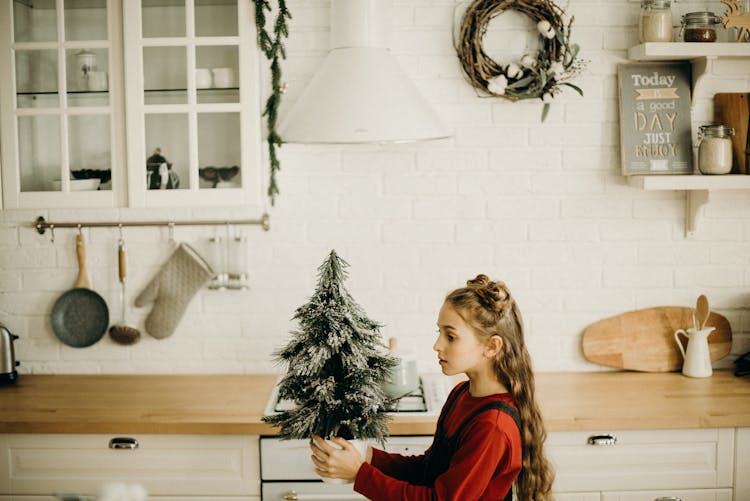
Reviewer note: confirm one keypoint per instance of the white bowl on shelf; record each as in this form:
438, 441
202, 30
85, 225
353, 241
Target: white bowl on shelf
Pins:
77, 184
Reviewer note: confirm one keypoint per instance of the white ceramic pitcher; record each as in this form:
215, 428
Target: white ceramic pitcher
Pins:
697, 358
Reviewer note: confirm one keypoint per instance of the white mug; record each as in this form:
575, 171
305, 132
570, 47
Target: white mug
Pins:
97, 80
203, 78
223, 77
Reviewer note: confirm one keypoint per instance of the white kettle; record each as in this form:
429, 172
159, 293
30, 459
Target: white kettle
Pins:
697, 357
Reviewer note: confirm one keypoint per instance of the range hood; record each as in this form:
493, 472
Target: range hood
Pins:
360, 94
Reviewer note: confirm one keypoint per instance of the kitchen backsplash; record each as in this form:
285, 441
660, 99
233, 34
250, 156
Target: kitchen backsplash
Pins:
541, 206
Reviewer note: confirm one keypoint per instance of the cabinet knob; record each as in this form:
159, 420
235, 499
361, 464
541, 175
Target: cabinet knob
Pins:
123, 443
668, 498
291, 496
602, 440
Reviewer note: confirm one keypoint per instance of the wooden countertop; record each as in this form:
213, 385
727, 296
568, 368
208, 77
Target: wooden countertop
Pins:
233, 404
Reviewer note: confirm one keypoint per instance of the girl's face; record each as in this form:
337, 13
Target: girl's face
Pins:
458, 348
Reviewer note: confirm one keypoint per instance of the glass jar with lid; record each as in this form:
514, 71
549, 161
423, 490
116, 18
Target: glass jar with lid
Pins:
699, 26
655, 21
715, 149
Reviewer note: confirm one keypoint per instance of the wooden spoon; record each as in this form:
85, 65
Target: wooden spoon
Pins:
701, 311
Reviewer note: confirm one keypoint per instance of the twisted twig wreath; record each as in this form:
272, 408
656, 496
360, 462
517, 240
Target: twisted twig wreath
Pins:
533, 76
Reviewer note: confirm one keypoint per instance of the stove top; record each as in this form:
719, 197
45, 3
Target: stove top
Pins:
425, 401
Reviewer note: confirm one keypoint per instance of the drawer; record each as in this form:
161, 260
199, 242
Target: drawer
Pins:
281, 491
164, 464
577, 496
652, 459
682, 495
150, 498
4, 472
294, 455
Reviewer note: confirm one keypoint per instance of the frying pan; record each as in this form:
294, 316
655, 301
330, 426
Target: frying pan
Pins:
80, 316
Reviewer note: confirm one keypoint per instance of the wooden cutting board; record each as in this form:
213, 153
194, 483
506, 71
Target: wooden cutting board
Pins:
733, 109
643, 340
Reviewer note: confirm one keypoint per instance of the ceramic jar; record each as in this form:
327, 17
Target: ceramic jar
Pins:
403, 379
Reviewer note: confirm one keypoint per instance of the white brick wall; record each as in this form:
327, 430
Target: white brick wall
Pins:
541, 206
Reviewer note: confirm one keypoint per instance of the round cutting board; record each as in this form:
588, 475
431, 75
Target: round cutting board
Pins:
643, 340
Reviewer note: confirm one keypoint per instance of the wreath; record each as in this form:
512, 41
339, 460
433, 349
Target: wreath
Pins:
538, 75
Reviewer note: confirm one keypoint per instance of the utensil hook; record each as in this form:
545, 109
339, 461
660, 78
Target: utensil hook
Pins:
52, 233
121, 241
80, 232
171, 234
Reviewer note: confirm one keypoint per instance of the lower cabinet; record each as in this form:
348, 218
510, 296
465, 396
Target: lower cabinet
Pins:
170, 467
671, 495
644, 465
742, 465
628, 465
151, 498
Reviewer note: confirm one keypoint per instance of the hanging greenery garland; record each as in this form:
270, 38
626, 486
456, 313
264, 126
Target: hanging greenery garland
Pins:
532, 76
273, 47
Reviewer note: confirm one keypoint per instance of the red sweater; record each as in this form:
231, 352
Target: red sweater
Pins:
484, 465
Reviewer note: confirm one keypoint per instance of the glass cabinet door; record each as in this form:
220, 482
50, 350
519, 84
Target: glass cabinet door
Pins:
193, 96
59, 110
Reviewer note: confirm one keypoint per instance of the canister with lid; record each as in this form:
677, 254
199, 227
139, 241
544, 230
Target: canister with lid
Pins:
655, 21
699, 26
715, 149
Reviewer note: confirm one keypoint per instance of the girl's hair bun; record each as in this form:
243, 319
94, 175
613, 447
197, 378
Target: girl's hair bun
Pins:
493, 295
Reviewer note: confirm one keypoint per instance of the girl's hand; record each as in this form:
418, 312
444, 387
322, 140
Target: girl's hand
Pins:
335, 462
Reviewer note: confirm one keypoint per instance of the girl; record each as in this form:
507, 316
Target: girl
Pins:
490, 432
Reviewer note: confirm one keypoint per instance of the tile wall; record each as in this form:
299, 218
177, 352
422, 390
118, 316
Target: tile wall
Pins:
541, 206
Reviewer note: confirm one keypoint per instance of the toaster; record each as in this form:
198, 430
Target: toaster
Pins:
8, 362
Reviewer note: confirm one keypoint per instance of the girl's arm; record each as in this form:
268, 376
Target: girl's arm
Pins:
408, 468
472, 467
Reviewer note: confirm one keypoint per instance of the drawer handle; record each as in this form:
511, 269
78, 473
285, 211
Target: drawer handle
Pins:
668, 498
602, 440
123, 443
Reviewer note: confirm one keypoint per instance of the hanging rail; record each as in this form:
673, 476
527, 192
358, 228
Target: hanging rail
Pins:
42, 225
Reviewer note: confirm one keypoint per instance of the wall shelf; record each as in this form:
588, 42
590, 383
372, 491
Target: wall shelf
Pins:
666, 51
697, 189
700, 54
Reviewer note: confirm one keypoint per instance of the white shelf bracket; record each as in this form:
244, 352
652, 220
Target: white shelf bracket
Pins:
702, 68
694, 201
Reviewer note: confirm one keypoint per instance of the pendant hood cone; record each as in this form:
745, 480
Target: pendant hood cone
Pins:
360, 94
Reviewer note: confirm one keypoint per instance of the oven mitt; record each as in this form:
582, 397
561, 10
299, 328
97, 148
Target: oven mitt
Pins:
172, 289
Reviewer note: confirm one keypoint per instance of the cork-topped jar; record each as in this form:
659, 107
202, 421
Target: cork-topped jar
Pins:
715, 150
699, 26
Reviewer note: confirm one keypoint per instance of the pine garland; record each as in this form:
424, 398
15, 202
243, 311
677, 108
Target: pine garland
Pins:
273, 48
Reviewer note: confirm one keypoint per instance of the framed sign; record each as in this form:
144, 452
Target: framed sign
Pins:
655, 133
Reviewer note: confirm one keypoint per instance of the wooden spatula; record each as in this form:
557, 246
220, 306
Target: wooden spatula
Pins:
701, 311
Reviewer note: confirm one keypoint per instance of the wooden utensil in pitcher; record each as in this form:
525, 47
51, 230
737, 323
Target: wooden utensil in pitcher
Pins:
701, 311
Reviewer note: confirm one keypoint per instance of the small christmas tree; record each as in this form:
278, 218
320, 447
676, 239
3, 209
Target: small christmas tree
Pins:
336, 365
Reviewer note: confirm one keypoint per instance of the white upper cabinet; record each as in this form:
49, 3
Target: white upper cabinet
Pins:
192, 102
137, 103
61, 104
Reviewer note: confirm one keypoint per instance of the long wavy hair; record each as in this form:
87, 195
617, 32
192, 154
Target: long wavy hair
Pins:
488, 307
